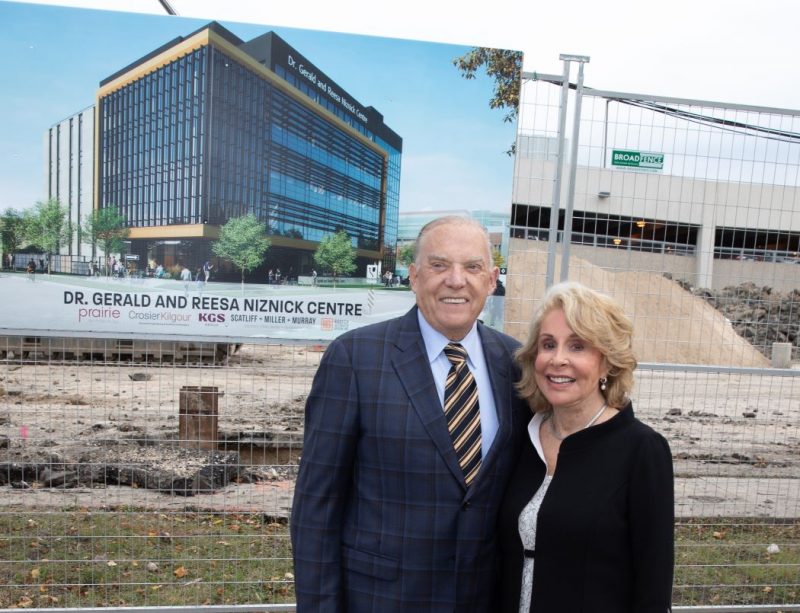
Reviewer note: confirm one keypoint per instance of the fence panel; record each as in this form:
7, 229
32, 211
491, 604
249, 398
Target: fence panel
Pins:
160, 474
688, 212
154, 474
116, 492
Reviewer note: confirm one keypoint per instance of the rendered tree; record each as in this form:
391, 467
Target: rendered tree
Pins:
12, 231
336, 253
107, 227
47, 227
243, 242
405, 255
505, 67
497, 258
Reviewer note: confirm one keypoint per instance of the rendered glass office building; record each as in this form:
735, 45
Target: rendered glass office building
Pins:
209, 127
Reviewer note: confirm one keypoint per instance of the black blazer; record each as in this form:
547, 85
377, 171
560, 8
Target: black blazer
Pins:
604, 539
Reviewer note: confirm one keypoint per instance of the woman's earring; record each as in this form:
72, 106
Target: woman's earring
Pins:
603, 382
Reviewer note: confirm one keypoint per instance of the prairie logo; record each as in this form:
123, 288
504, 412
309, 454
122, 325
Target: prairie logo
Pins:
98, 314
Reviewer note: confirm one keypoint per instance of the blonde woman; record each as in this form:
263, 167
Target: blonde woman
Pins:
587, 521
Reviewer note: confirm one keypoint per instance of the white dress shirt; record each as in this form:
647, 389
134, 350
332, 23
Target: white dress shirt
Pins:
435, 343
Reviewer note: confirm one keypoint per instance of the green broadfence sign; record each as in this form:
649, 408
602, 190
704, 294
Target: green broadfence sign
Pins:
637, 159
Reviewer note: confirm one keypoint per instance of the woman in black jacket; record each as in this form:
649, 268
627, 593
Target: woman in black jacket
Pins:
587, 521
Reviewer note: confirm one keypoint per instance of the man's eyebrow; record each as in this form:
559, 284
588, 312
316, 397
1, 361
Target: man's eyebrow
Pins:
443, 258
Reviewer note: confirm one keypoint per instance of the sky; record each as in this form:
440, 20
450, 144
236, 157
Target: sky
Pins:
732, 51
723, 50
453, 143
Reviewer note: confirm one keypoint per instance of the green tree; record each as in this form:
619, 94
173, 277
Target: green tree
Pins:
497, 258
336, 253
47, 226
12, 230
505, 67
243, 242
107, 227
405, 255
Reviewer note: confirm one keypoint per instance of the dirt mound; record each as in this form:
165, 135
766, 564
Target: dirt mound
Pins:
671, 325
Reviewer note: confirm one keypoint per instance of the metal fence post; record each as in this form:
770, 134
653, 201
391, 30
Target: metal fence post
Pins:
566, 239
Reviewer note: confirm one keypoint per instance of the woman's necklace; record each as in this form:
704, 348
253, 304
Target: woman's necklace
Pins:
591, 422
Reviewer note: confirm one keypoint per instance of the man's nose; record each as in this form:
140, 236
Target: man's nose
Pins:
456, 276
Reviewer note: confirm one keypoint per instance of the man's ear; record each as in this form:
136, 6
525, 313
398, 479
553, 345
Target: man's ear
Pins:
412, 276
495, 275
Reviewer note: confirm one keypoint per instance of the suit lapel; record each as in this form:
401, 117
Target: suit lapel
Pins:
497, 364
410, 361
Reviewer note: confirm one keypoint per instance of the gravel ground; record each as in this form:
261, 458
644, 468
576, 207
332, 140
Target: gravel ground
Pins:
735, 437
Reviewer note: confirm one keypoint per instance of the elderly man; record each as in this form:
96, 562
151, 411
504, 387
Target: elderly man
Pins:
411, 427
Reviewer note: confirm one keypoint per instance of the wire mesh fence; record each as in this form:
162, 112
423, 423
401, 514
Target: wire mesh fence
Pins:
163, 479
687, 212
154, 474
168, 482
734, 438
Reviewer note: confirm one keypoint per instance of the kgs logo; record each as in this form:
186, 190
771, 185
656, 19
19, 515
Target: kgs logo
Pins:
214, 318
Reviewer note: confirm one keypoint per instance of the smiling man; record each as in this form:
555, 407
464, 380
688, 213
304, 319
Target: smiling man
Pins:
411, 428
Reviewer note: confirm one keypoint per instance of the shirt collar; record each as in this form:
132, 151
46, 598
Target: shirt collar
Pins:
534, 426
435, 341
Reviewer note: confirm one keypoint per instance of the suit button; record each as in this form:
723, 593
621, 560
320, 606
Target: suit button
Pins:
466, 505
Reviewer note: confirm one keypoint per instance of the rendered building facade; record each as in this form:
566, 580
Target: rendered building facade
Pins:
69, 173
209, 127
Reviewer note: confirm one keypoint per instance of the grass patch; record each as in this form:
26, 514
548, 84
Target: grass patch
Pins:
128, 557
131, 557
726, 562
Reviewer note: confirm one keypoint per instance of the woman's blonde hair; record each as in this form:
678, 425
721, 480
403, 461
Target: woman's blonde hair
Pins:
597, 319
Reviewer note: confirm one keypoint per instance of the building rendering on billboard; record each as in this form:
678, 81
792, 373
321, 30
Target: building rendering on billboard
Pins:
209, 127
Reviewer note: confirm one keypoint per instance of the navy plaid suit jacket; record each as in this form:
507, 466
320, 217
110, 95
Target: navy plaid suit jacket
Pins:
382, 519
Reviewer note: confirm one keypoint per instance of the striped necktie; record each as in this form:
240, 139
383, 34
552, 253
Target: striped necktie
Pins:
462, 412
